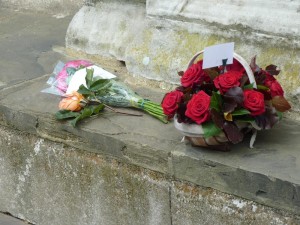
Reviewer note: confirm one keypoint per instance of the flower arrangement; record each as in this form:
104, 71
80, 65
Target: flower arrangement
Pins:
94, 94
217, 106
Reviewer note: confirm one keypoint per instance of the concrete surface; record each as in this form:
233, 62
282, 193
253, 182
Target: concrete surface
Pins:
27, 43
60, 8
254, 14
9, 220
52, 173
51, 183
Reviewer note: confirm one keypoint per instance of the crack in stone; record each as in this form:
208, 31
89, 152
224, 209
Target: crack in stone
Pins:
183, 5
11, 215
170, 204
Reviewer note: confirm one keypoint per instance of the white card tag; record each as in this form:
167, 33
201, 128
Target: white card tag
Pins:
214, 55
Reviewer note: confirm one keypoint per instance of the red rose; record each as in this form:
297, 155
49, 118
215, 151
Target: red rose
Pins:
170, 102
198, 107
269, 77
254, 102
275, 87
194, 75
228, 80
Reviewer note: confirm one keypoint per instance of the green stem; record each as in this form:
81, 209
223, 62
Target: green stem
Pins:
112, 109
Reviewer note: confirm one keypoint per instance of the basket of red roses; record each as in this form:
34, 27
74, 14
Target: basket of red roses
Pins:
218, 106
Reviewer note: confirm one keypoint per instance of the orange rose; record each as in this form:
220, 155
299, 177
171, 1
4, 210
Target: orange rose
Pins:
71, 102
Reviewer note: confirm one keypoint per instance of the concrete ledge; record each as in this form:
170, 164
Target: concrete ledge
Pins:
268, 174
51, 183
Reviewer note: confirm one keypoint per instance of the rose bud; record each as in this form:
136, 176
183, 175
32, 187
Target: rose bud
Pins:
198, 107
254, 102
170, 102
71, 102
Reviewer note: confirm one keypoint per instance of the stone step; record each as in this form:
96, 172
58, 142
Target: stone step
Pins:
9, 220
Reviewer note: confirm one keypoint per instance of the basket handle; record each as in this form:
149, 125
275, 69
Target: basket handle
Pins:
239, 58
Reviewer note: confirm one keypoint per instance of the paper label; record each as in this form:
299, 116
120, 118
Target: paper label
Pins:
214, 55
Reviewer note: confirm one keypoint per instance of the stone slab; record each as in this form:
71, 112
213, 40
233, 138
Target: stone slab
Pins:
254, 14
27, 40
9, 220
50, 183
268, 174
196, 205
59, 7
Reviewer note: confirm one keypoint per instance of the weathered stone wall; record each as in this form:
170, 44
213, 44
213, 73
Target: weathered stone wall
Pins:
50, 183
156, 39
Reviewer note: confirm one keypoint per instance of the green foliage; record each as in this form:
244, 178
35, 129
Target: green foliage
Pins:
99, 84
97, 88
280, 115
240, 112
83, 90
216, 101
87, 112
249, 86
65, 114
89, 77
210, 129
262, 87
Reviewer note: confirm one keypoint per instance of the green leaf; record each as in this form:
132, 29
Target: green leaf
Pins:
280, 115
83, 90
65, 114
96, 109
249, 86
89, 77
215, 101
240, 112
99, 84
74, 121
87, 112
210, 129
262, 87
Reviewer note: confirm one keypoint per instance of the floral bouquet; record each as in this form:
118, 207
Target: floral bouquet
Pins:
86, 94
217, 106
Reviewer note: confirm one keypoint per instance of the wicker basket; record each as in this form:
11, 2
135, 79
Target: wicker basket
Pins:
194, 133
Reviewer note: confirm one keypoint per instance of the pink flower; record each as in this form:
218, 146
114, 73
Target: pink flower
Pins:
61, 78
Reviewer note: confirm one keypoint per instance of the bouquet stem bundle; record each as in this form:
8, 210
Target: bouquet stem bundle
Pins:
100, 93
153, 109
